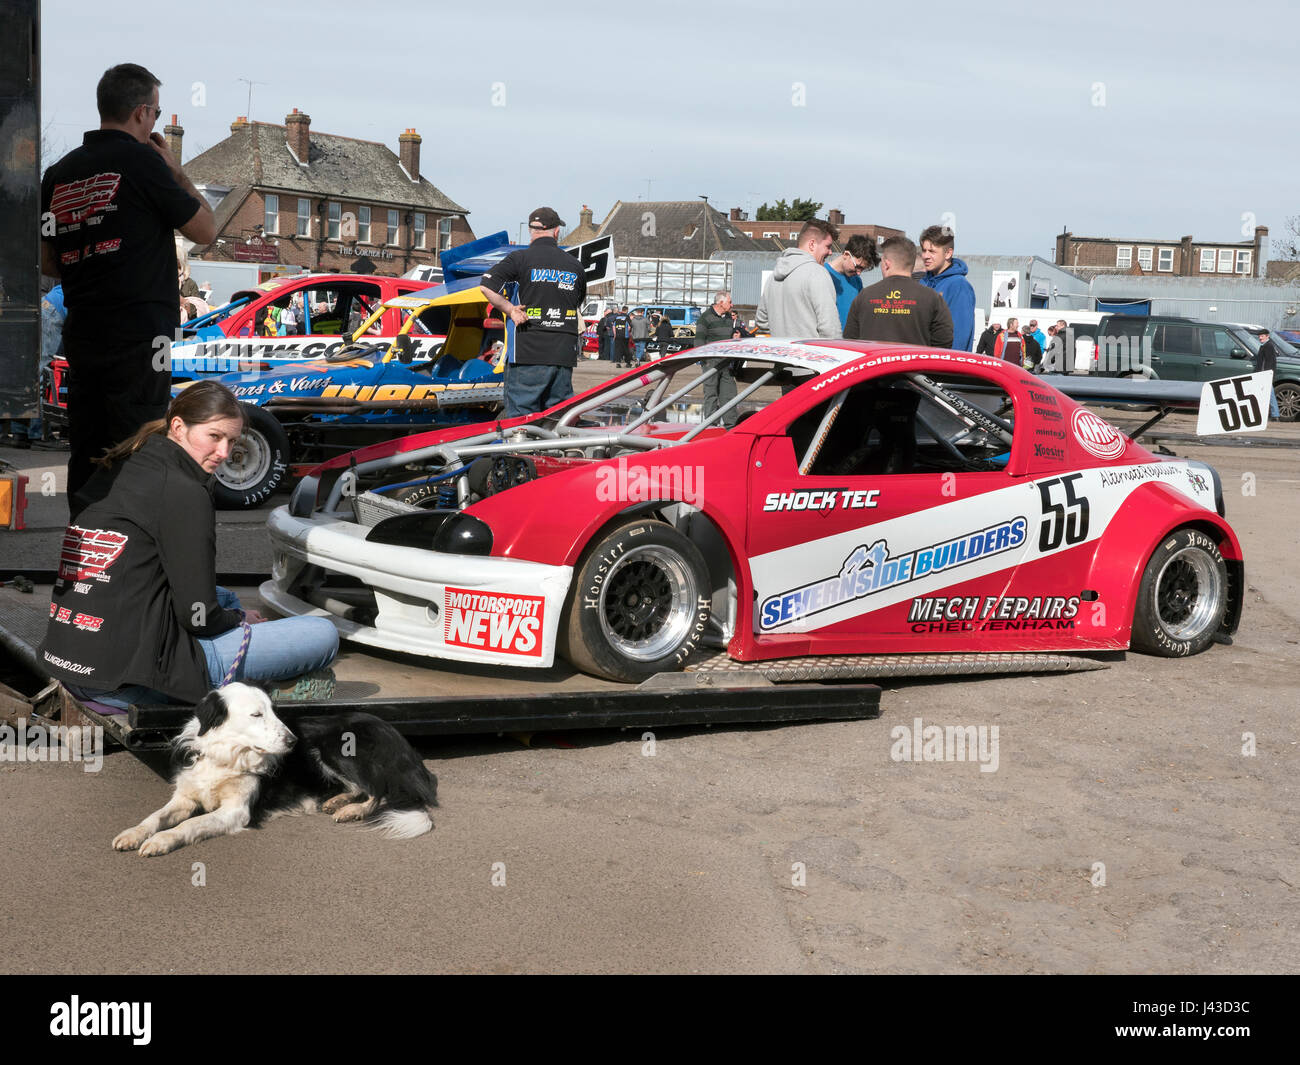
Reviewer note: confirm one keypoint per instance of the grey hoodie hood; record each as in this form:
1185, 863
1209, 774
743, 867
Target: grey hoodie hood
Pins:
798, 300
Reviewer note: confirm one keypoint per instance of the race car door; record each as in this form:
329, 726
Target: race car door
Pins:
879, 502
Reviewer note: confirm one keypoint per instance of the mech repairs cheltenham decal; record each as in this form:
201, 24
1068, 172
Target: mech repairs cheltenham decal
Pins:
968, 613
486, 621
871, 569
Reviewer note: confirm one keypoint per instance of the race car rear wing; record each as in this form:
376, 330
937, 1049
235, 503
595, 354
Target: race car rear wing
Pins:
1237, 404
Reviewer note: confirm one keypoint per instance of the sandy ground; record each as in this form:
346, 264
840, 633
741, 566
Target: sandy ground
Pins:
687, 859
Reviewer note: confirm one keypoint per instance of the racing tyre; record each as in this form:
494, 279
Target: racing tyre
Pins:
639, 603
258, 465
1182, 597
1288, 402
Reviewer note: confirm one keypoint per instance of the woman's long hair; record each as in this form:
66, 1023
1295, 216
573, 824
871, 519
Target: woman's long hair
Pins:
203, 401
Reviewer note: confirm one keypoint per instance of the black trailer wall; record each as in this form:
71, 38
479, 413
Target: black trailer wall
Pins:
20, 251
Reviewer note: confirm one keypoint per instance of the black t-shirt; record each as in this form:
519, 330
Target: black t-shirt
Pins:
551, 289
902, 311
115, 208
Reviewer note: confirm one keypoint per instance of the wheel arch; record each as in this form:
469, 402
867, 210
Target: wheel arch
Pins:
1150, 514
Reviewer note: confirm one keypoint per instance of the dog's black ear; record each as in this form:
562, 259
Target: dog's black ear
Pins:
211, 712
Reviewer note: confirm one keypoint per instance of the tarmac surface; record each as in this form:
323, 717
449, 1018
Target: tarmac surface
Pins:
1128, 827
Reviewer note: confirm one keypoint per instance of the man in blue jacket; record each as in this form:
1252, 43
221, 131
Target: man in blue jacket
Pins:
947, 276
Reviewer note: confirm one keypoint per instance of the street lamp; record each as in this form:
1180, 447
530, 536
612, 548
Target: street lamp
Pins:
706, 227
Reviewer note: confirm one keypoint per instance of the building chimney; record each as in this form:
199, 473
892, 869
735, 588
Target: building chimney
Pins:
835, 217
173, 133
297, 131
584, 217
1261, 252
408, 151
239, 124
736, 215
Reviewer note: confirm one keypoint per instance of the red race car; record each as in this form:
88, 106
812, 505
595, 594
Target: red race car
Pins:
869, 498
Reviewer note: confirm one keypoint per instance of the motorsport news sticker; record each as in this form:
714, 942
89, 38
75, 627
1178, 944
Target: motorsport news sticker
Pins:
88, 553
1096, 435
493, 621
1235, 404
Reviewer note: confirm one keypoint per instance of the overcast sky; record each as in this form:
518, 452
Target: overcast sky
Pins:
1010, 122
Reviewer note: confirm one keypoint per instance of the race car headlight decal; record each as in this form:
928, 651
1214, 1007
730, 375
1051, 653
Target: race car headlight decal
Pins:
447, 531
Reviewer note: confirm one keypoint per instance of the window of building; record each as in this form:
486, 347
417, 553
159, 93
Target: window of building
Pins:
1124, 257
771, 234
417, 224
1166, 260
1144, 258
336, 216
394, 228
272, 223
363, 224
304, 218
1207, 260
1225, 260
444, 234
794, 236
1243, 262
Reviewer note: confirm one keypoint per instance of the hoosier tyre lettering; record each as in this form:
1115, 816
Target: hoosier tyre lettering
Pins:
1182, 597
258, 465
638, 605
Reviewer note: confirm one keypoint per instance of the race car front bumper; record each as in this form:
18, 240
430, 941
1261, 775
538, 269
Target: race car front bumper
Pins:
467, 608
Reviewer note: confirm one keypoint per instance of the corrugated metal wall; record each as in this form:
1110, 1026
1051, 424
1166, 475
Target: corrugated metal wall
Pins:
1255, 301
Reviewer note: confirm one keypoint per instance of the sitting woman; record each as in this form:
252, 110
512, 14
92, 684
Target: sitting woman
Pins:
136, 614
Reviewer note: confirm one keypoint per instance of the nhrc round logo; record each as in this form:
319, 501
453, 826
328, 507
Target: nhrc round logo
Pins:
1098, 437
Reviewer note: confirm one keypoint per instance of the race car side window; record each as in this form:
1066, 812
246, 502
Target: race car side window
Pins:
907, 423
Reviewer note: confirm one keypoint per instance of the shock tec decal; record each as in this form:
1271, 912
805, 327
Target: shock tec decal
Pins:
493, 621
796, 593
822, 499
88, 553
870, 570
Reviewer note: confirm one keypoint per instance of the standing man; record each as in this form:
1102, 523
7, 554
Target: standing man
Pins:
1267, 360
987, 338
1033, 331
109, 212
640, 334
605, 334
713, 325
859, 256
1010, 345
947, 276
799, 298
619, 326
551, 288
898, 308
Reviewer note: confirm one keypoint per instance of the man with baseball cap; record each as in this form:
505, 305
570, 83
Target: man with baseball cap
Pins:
550, 288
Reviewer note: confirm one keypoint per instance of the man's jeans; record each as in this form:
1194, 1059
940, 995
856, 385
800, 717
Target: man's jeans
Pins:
720, 390
640, 350
530, 389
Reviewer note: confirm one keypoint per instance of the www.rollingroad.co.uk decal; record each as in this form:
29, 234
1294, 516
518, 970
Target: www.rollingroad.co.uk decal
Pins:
868, 570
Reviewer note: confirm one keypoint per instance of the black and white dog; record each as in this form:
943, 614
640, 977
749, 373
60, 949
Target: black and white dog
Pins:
237, 763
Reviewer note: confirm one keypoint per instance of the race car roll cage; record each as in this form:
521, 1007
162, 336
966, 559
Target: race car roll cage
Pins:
455, 457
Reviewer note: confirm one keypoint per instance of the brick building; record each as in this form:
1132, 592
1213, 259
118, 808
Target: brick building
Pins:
1186, 257
293, 196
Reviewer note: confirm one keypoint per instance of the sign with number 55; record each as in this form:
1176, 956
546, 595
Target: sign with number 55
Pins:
1235, 404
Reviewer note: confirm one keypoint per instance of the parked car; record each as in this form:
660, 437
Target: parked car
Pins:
870, 498
1182, 349
373, 389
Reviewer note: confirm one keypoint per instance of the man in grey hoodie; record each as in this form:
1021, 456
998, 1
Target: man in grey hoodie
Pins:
799, 298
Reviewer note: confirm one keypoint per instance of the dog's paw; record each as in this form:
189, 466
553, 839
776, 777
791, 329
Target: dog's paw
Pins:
162, 843
358, 811
334, 805
130, 839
